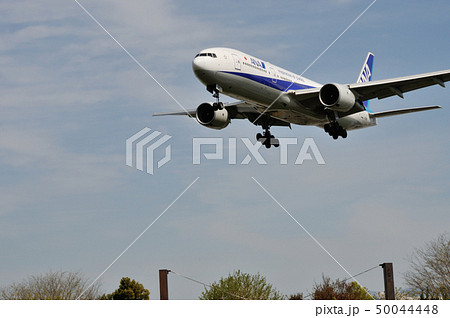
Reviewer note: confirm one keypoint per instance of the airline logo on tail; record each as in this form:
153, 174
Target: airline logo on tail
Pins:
366, 71
366, 75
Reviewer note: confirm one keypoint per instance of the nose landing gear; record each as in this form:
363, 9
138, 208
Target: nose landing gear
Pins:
215, 90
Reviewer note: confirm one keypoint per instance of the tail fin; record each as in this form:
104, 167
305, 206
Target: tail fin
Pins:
366, 71
366, 74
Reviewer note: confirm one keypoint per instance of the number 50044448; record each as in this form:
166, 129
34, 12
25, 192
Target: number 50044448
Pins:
404, 309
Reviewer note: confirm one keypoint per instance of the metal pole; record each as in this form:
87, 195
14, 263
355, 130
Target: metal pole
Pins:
388, 273
163, 286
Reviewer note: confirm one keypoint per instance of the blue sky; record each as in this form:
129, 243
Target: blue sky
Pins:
71, 97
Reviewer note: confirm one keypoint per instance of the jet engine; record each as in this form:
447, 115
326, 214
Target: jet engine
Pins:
337, 97
210, 117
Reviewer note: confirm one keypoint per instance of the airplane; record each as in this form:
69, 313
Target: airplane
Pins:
269, 95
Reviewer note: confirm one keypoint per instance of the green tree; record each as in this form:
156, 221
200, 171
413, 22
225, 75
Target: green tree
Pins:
339, 290
429, 276
128, 290
241, 286
52, 286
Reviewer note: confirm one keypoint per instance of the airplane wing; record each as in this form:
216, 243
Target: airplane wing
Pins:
238, 110
377, 89
306, 94
190, 113
397, 86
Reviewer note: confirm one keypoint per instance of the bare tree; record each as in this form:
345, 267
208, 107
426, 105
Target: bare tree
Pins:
429, 275
298, 296
52, 286
339, 290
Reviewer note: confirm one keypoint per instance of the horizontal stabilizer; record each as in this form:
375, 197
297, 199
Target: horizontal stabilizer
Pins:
403, 111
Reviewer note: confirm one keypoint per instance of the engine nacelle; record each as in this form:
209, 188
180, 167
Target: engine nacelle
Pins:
337, 97
211, 118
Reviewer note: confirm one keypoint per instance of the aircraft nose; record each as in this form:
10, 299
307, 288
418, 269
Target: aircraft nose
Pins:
201, 68
198, 64
205, 68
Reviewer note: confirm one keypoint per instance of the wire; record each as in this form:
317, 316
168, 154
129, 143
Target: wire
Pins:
139, 236
130, 55
324, 51
206, 285
363, 272
191, 279
234, 295
367, 270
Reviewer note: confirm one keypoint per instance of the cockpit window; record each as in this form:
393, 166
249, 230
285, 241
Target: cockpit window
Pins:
213, 55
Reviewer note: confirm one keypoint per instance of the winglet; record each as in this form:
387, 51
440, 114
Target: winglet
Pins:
366, 75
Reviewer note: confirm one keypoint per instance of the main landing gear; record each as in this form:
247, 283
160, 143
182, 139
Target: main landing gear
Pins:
335, 130
267, 139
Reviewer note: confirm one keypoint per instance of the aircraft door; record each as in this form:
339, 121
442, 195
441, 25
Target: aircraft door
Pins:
273, 74
237, 62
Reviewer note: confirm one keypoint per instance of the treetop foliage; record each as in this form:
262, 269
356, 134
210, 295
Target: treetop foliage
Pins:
241, 286
128, 290
339, 290
51, 286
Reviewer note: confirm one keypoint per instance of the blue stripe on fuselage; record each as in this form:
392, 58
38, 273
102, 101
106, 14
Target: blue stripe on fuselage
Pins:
280, 85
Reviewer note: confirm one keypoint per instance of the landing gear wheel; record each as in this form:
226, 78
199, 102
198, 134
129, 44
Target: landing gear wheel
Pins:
267, 139
215, 91
217, 106
275, 142
335, 130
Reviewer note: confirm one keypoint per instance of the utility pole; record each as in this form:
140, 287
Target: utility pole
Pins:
388, 273
163, 286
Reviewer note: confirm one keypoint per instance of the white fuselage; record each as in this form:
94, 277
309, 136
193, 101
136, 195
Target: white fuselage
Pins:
245, 77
